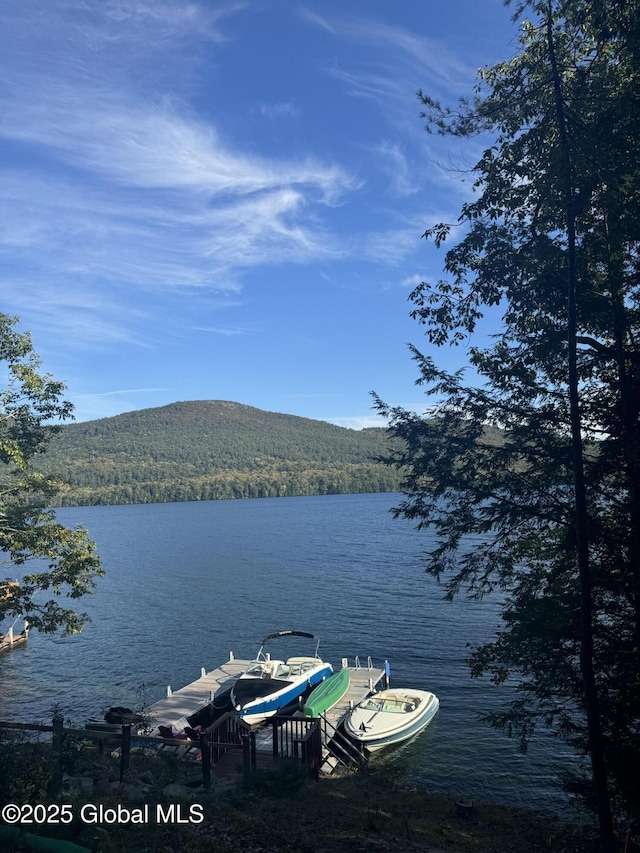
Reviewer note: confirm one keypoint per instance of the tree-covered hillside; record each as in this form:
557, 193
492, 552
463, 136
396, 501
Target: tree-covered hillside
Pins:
212, 449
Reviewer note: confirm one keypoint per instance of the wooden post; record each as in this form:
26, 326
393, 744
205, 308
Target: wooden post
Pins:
274, 728
58, 723
246, 761
205, 755
254, 757
57, 743
125, 746
318, 747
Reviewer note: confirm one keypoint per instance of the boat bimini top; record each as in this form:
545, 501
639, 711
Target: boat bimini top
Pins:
265, 656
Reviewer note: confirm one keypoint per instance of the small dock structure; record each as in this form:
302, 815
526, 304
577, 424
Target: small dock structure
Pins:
12, 639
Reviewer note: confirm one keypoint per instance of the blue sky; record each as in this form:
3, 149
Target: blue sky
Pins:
205, 200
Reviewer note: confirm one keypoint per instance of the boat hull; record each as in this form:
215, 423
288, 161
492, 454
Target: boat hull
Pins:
327, 694
390, 717
269, 685
256, 710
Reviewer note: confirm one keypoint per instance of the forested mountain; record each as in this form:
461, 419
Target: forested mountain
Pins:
212, 449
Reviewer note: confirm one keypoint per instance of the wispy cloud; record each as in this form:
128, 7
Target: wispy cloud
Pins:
392, 246
226, 331
150, 146
385, 65
425, 60
318, 20
359, 422
424, 54
137, 43
403, 180
122, 391
170, 19
134, 192
412, 281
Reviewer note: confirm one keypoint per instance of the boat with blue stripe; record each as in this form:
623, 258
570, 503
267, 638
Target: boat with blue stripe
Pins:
269, 685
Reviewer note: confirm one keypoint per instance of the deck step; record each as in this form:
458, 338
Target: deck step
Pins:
329, 764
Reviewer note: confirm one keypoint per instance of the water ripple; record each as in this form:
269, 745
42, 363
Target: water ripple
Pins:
187, 583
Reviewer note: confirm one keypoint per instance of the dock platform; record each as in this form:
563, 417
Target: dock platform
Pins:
11, 640
363, 680
181, 704
188, 700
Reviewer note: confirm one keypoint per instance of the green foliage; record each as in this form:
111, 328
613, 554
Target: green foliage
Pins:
552, 238
286, 780
354, 812
65, 562
27, 768
210, 450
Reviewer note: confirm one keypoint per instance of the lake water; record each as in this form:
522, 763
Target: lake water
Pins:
186, 583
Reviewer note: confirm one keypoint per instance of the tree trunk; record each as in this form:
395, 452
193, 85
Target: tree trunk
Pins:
594, 728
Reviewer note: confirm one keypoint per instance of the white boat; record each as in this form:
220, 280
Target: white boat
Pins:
391, 716
270, 685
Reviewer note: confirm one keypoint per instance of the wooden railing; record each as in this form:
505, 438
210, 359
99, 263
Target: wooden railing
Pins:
222, 736
298, 738
210, 750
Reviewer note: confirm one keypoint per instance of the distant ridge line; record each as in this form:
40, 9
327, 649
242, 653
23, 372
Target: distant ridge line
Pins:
214, 449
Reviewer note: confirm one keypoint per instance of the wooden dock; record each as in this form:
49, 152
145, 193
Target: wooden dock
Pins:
363, 680
181, 704
11, 640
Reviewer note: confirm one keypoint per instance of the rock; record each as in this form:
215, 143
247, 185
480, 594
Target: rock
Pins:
84, 766
102, 786
148, 778
86, 785
82, 785
132, 793
174, 791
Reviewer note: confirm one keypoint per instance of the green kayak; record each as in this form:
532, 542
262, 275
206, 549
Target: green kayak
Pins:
326, 694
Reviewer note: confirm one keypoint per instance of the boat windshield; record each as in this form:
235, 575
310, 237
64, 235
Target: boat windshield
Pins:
389, 705
258, 669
